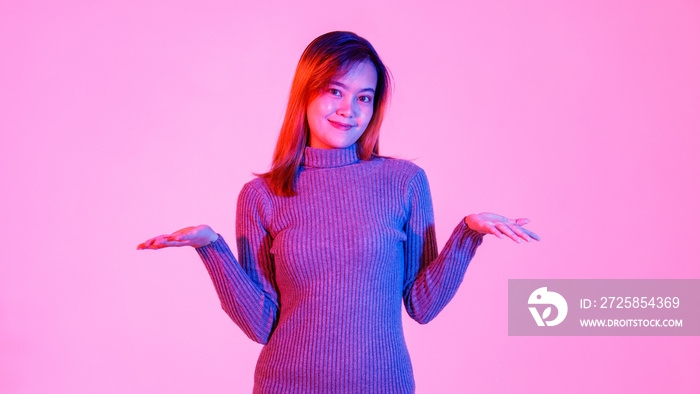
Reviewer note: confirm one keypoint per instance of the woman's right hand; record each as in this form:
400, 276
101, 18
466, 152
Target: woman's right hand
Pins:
196, 237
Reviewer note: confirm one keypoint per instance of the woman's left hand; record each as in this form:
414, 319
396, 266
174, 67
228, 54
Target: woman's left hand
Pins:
490, 223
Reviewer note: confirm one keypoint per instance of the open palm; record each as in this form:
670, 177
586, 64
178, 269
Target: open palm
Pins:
491, 223
196, 236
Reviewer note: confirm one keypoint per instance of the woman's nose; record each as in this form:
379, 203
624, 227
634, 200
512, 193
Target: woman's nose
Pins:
346, 109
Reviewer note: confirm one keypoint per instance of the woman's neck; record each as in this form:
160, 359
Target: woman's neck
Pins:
325, 158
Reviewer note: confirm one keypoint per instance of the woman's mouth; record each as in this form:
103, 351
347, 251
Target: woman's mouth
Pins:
340, 126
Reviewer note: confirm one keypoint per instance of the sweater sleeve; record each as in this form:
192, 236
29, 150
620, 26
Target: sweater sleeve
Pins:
431, 280
247, 290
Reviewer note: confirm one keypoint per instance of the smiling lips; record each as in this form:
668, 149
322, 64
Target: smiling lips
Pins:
341, 126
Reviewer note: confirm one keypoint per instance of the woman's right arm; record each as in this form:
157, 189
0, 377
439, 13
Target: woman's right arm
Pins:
246, 290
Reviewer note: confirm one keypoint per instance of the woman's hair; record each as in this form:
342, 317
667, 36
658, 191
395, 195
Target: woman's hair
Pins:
327, 56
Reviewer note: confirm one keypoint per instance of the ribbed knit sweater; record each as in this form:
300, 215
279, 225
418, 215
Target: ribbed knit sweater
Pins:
321, 276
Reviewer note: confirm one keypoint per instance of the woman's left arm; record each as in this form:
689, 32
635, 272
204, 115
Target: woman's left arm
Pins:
432, 279
501, 226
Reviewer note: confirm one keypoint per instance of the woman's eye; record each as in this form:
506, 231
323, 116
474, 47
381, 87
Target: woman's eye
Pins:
334, 92
366, 99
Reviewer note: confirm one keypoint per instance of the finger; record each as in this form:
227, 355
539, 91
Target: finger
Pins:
165, 244
155, 239
509, 221
179, 240
522, 221
155, 246
531, 234
508, 232
520, 232
493, 230
174, 241
159, 246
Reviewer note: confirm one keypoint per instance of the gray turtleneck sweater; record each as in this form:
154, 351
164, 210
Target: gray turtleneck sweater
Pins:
321, 276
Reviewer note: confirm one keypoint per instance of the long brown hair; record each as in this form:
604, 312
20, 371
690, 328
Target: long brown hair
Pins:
327, 56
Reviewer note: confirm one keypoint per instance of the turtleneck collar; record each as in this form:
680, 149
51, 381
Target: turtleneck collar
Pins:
326, 158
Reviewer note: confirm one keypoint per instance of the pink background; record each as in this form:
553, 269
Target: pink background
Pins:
122, 120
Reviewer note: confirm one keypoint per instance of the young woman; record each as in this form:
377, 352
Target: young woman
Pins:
335, 237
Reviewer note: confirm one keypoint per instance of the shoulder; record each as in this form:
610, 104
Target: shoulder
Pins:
255, 195
400, 170
259, 186
405, 178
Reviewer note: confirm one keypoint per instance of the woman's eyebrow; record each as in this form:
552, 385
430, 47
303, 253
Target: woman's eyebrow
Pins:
342, 85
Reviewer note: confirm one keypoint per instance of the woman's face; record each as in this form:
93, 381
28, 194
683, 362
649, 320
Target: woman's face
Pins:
340, 114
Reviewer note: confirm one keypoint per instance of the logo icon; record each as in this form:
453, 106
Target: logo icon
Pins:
543, 297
